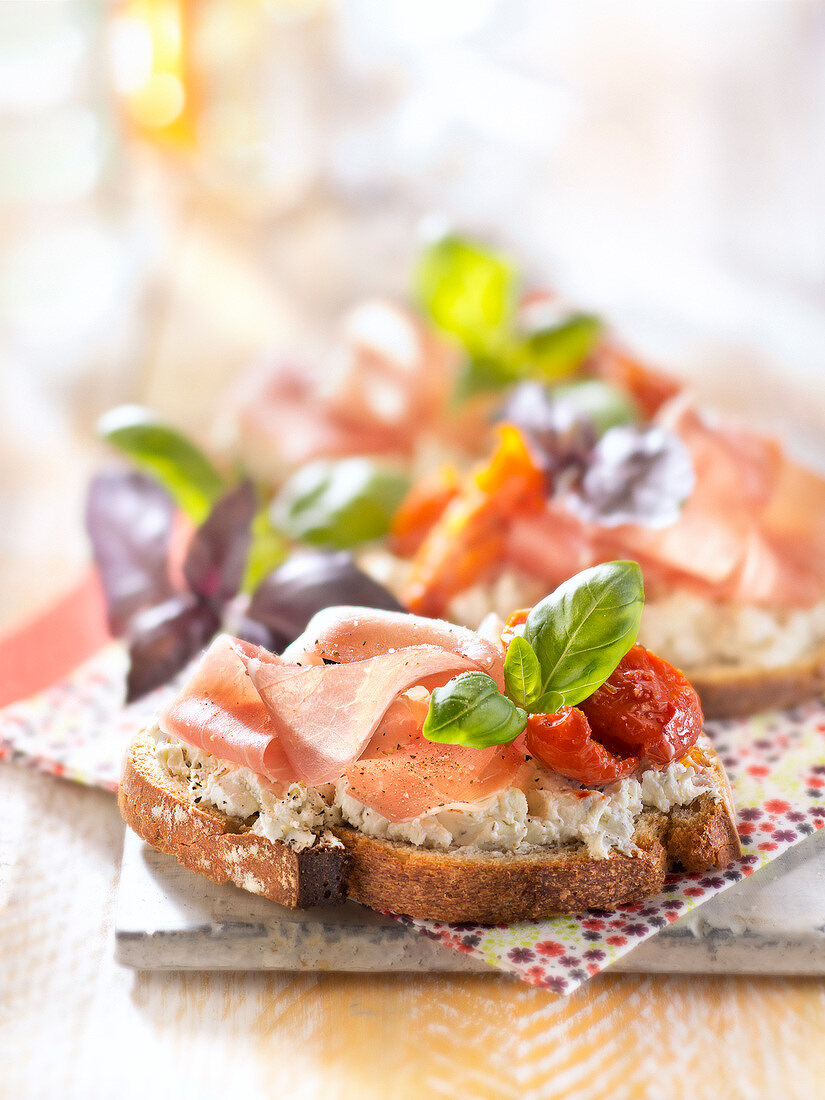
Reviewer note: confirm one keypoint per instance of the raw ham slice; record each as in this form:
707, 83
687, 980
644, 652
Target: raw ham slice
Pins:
797, 508
425, 776
752, 531
390, 370
326, 715
220, 711
650, 389
354, 633
735, 473
767, 575
286, 425
785, 559
287, 722
401, 725
553, 545
385, 385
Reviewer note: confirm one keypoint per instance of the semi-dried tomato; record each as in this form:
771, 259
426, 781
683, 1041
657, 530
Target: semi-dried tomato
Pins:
563, 742
647, 708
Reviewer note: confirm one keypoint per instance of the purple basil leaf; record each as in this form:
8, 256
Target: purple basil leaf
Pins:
250, 630
309, 581
637, 475
216, 558
129, 521
163, 639
562, 436
235, 620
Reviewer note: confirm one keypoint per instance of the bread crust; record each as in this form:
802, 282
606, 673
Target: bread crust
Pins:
730, 691
486, 888
160, 810
479, 887
699, 842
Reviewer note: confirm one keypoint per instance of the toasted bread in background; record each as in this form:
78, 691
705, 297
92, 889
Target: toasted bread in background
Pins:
729, 691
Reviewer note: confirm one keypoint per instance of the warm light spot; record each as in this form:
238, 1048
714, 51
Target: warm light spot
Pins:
166, 34
153, 69
131, 51
289, 10
159, 102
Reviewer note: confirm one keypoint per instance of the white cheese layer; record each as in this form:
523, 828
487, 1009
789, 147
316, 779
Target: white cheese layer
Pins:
692, 632
552, 811
297, 814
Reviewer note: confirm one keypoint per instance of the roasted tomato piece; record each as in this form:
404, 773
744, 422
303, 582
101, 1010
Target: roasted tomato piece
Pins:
646, 707
518, 618
468, 540
563, 742
421, 509
649, 388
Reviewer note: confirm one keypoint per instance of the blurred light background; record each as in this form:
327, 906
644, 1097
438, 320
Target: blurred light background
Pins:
186, 183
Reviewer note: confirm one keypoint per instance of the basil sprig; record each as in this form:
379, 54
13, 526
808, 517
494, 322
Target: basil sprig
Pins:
470, 710
467, 291
268, 549
573, 640
339, 503
174, 461
555, 351
471, 294
522, 672
581, 631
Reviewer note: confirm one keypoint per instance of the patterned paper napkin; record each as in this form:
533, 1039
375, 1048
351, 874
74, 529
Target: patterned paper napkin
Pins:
78, 729
776, 765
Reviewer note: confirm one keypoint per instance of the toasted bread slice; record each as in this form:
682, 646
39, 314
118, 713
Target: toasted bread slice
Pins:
452, 885
734, 691
491, 888
160, 809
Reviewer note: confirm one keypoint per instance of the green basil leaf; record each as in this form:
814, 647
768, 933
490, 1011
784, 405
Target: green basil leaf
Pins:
173, 460
267, 551
556, 351
466, 291
582, 630
470, 710
549, 703
483, 374
605, 406
522, 672
339, 503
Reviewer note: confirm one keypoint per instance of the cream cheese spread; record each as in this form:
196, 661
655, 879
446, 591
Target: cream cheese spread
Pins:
688, 630
553, 810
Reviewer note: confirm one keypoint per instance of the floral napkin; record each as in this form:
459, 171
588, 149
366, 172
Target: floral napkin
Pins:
776, 765
78, 729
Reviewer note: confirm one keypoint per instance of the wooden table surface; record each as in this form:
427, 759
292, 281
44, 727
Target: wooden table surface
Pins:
74, 1024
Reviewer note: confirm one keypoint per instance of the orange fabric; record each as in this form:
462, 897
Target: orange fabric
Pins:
50, 646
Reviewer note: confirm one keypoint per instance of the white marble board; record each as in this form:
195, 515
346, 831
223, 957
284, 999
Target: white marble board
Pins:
169, 918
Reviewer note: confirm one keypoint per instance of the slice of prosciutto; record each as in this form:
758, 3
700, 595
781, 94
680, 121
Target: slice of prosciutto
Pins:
385, 384
360, 719
220, 711
423, 776
326, 715
752, 531
345, 634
